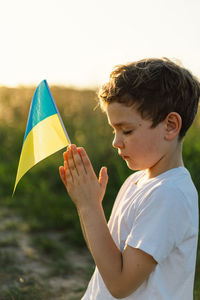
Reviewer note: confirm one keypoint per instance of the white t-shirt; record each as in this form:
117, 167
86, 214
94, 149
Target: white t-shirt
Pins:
160, 217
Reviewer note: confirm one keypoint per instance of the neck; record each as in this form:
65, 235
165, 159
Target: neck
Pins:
172, 159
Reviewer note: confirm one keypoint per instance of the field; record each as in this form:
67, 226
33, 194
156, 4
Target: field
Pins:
42, 252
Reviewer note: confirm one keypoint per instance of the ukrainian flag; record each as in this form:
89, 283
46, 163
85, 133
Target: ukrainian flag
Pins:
45, 133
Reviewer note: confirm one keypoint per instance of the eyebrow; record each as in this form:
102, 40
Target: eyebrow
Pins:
120, 124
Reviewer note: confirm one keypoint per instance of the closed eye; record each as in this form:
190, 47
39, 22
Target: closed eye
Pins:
127, 132
124, 132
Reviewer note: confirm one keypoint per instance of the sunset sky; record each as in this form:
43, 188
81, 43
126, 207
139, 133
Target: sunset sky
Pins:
78, 42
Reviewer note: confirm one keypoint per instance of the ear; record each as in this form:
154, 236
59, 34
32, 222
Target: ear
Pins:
173, 123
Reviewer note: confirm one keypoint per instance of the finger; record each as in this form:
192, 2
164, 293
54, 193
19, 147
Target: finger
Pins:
103, 177
77, 160
79, 152
71, 164
86, 161
62, 173
68, 173
65, 153
72, 148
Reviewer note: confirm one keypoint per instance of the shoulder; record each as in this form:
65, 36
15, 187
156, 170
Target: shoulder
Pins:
172, 192
177, 186
172, 184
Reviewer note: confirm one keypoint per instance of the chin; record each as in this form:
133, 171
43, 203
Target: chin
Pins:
134, 167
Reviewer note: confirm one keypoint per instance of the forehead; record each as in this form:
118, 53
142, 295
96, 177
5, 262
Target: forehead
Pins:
119, 114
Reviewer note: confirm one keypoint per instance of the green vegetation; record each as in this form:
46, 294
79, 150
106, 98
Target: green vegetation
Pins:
48, 246
41, 199
9, 241
26, 291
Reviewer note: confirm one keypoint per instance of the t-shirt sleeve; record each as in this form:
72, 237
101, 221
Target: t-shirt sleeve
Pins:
160, 223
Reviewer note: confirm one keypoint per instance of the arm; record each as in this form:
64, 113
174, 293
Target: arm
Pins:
123, 272
83, 230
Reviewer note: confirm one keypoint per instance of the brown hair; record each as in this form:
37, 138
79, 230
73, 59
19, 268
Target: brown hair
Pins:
156, 87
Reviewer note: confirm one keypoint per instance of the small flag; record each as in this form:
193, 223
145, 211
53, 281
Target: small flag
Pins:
45, 132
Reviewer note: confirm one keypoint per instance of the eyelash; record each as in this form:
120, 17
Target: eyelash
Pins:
124, 132
127, 132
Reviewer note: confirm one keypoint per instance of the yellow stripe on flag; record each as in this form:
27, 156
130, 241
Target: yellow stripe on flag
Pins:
46, 138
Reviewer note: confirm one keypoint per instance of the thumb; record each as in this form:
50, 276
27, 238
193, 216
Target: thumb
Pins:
103, 177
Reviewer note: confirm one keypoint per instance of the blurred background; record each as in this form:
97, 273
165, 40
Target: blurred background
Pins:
73, 45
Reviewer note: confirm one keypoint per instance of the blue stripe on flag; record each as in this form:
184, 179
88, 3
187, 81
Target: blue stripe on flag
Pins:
42, 106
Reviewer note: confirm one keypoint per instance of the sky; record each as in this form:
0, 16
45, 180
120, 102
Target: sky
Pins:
78, 42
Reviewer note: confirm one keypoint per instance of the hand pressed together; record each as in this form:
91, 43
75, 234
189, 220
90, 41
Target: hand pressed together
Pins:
80, 180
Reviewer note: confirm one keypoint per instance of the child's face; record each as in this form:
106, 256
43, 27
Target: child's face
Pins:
141, 146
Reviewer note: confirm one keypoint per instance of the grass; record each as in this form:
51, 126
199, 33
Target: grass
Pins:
61, 268
32, 261
197, 277
48, 246
7, 259
25, 290
20, 282
11, 241
76, 240
10, 270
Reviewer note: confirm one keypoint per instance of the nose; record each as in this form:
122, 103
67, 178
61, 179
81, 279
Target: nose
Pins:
117, 142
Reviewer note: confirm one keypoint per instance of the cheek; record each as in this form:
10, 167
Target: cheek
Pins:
135, 146
153, 147
141, 145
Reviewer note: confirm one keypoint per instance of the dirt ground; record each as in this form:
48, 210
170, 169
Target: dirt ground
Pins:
39, 266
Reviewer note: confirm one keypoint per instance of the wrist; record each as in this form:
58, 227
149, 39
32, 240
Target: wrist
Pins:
88, 210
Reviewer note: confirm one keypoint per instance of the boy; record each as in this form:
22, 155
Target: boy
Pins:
148, 249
